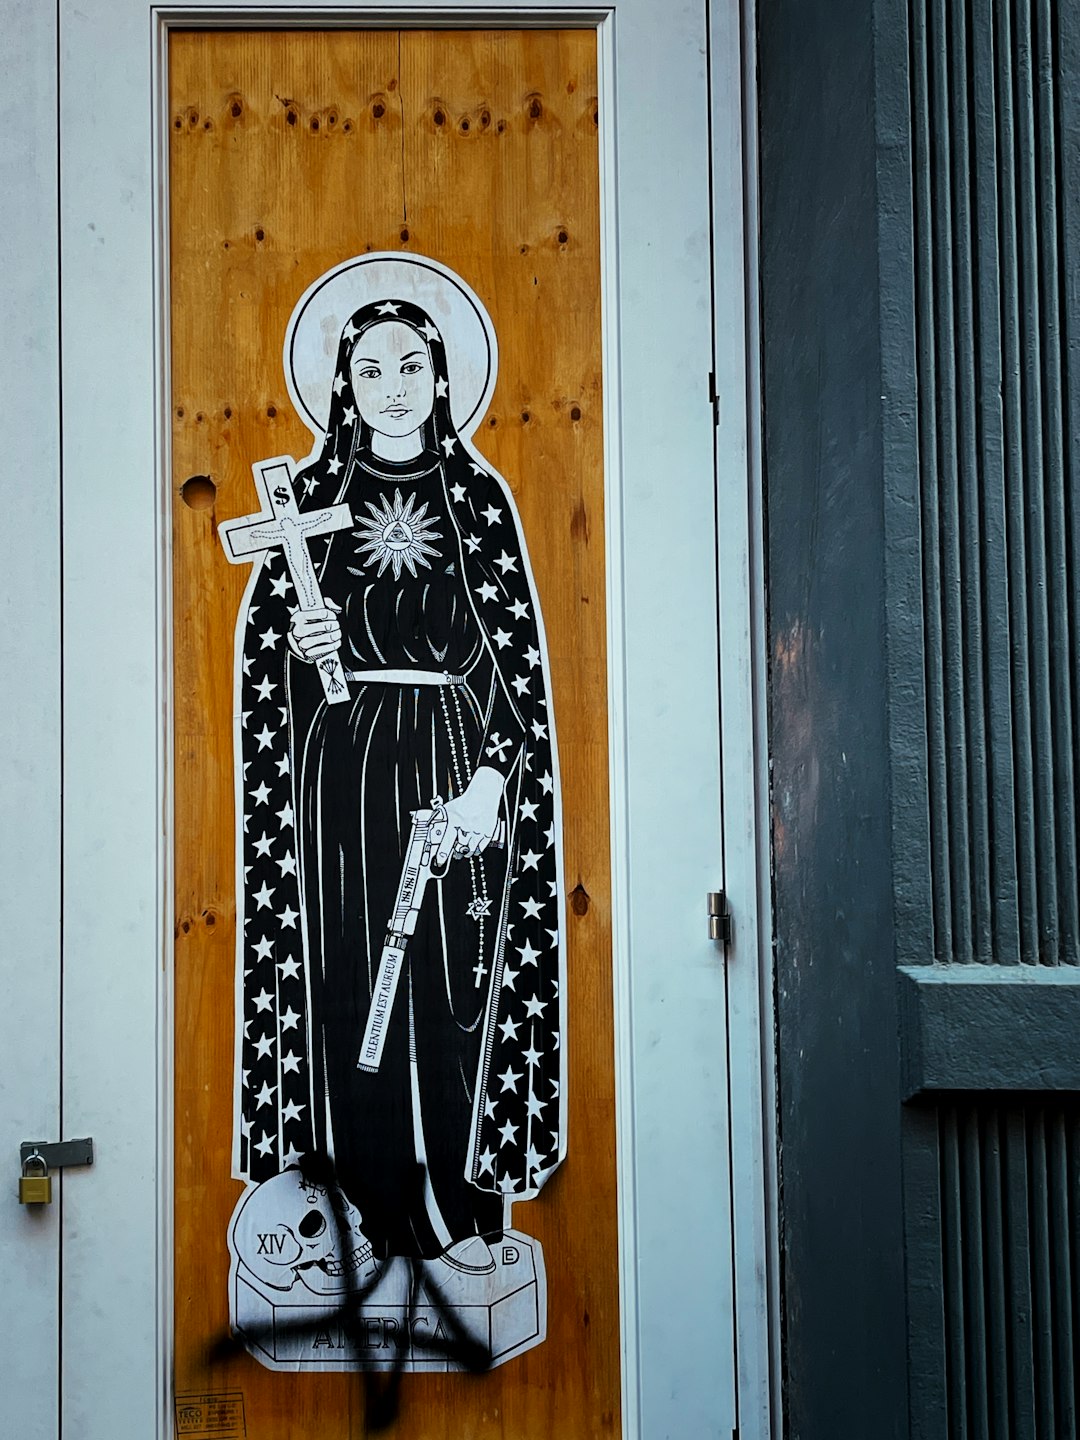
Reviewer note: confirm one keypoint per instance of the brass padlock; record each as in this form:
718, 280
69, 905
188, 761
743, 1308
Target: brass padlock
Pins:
35, 1189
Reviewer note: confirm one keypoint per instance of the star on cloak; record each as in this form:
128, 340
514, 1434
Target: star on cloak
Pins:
458, 492
387, 308
290, 968
528, 810
290, 1064
520, 684
287, 863
292, 1156
262, 847
264, 1047
531, 1057
289, 917
262, 897
269, 639
501, 638
333, 465
540, 731
508, 1133
510, 1079
350, 332
509, 1029
473, 542
278, 586
289, 1019
531, 908
535, 1007
265, 1145
339, 383
491, 515
518, 609
265, 1095
532, 655
487, 1162
506, 562
448, 444
508, 1185
530, 860
263, 1001
441, 387
509, 977
476, 469
264, 948
487, 591
265, 738
292, 1111
349, 418
534, 1107
428, 331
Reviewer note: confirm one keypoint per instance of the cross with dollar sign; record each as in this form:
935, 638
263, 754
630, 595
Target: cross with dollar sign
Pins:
281, 525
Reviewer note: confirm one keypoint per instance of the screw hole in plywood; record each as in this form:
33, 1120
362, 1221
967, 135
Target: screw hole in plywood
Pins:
198, 492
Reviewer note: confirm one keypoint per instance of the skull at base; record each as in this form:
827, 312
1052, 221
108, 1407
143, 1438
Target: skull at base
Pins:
288, 1229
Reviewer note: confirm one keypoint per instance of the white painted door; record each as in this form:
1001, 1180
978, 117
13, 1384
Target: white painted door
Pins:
86, 708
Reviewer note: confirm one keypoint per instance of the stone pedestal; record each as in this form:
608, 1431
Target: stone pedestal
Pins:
504, 1313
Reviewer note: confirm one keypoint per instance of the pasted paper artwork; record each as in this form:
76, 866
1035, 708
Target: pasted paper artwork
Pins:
399, 1001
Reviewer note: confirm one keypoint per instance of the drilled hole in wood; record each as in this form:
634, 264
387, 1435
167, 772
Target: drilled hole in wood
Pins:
198, 492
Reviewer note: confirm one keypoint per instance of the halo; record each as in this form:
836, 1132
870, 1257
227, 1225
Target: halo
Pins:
311, 340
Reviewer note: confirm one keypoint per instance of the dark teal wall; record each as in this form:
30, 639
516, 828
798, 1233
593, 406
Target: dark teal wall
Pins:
842, 1235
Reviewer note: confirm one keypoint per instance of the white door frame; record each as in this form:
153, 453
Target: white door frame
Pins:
30, 769
117, 662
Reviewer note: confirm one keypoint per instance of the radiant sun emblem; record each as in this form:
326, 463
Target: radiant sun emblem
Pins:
397, 535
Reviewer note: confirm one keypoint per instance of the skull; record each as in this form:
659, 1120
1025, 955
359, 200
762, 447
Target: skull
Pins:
289, 1228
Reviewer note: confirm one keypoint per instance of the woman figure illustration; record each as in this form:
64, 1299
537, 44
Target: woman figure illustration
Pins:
428, 600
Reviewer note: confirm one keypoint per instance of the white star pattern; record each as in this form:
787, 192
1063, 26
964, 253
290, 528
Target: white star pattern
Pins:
524, 1060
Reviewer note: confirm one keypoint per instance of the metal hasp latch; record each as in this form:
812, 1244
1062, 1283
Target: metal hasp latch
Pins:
719, 916
38, 1157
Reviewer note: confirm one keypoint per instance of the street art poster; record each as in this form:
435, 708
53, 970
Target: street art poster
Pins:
399, 995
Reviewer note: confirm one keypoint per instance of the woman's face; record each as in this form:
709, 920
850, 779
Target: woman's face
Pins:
392, 378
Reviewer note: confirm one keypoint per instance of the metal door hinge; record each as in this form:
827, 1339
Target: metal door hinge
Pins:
719, 916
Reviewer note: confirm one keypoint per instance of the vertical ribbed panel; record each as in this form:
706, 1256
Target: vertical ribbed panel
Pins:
1010, 1251
1000, 562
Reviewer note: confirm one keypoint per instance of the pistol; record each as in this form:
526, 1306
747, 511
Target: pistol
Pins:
428, 828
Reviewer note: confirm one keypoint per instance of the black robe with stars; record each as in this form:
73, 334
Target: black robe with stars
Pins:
468, 1103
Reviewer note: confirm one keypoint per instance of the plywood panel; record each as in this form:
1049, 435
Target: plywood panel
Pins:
290, 152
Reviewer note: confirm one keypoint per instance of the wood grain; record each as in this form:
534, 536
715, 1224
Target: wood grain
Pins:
291, 151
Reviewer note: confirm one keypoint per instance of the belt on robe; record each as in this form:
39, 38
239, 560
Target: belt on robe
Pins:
404, 677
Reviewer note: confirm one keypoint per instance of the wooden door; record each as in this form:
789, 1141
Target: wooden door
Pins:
207, 176
290, 152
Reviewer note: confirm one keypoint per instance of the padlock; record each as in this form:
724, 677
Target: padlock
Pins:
35, 1189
